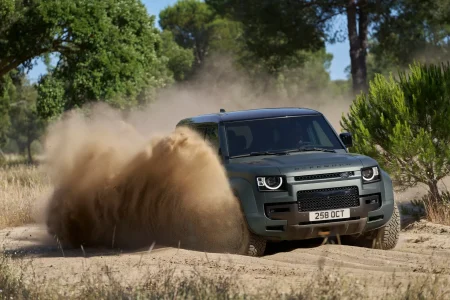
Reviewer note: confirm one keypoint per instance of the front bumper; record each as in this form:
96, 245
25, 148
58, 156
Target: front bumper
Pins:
295, 225
276, 216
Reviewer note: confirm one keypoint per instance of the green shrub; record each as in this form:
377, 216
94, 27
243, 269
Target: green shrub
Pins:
404, 124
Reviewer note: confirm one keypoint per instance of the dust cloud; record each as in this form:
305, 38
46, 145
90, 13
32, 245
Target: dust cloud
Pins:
114, 187
221, 85
131, 180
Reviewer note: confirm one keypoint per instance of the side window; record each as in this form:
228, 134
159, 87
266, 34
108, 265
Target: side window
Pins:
199, 129
312, 135
212, 136
323, 138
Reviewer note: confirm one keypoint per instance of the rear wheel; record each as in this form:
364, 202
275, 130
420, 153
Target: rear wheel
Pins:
385, 238
256, 245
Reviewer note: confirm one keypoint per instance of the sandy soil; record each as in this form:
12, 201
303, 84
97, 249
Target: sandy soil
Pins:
424, 249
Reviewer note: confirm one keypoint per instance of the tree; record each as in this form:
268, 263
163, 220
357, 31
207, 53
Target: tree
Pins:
361, 16
305, 72
358, 25
414, 30
180, 60
7, 96
275, 30
105, 48
403, 123
227, 37
282, 27
26, 126
223, 39
189, 21
50, 100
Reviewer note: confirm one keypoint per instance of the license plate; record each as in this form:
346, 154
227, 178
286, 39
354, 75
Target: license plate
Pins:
334, 214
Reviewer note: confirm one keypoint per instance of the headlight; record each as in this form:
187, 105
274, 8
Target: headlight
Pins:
271, 183
370, 175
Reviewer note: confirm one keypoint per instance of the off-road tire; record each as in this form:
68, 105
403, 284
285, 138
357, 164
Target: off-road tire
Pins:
384, 238
256, 245
253, 245
387, 236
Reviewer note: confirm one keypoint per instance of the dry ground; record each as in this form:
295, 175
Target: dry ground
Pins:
422, 255
424, 251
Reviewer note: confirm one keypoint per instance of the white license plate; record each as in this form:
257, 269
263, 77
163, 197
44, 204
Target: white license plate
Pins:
334, 214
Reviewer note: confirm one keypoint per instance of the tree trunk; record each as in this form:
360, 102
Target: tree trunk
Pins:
29, 141
357, 36
2, 154
435, 196
363, 31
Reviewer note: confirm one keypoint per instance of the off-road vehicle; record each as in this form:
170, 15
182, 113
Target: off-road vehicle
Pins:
296, 179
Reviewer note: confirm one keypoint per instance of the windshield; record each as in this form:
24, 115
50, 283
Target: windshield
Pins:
279, 134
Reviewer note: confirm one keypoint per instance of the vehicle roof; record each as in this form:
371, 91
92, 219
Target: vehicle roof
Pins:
250, 114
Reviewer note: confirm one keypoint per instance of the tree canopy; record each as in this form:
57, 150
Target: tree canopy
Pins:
26, 125
413, 30
105, 48
189, 21
403, 124
110, 50
275, 30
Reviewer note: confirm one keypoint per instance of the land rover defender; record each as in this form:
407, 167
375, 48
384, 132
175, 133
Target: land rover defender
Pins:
296, 179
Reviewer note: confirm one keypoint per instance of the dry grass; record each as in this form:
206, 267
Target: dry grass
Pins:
20, 187
423, 208
169, 284
438, 212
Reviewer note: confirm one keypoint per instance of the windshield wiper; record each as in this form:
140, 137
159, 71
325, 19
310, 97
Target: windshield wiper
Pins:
260, 153
305, 149
285, 152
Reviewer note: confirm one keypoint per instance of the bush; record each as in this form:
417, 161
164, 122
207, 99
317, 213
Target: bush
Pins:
403, 123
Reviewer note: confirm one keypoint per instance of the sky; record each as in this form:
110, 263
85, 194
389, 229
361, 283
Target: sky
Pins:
340, 51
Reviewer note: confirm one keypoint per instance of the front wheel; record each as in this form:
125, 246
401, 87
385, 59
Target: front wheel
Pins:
384, 238
387, 237
251, 244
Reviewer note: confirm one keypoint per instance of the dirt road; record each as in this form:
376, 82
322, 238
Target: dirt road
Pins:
424, 249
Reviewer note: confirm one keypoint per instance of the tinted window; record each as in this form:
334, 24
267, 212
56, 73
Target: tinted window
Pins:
200, 129
279, 134
212, 135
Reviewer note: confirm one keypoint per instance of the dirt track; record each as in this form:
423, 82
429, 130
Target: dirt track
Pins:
424, 249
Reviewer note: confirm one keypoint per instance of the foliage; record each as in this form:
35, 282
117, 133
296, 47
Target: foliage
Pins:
412, 30
104, 48
180, 59
226, 37
304, 72
404, 124
51, 97
7, 91
275, 30
26, 125
219, 38
189, 21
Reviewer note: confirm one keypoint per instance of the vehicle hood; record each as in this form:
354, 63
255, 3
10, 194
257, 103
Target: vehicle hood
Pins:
304, 162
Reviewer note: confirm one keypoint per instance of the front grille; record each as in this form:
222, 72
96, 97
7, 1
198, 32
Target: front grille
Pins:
322, 176
324, 199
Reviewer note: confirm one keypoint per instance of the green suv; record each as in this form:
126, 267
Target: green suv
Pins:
296, 180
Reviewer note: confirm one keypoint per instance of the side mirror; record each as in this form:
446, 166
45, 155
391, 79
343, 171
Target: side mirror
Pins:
346, 138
